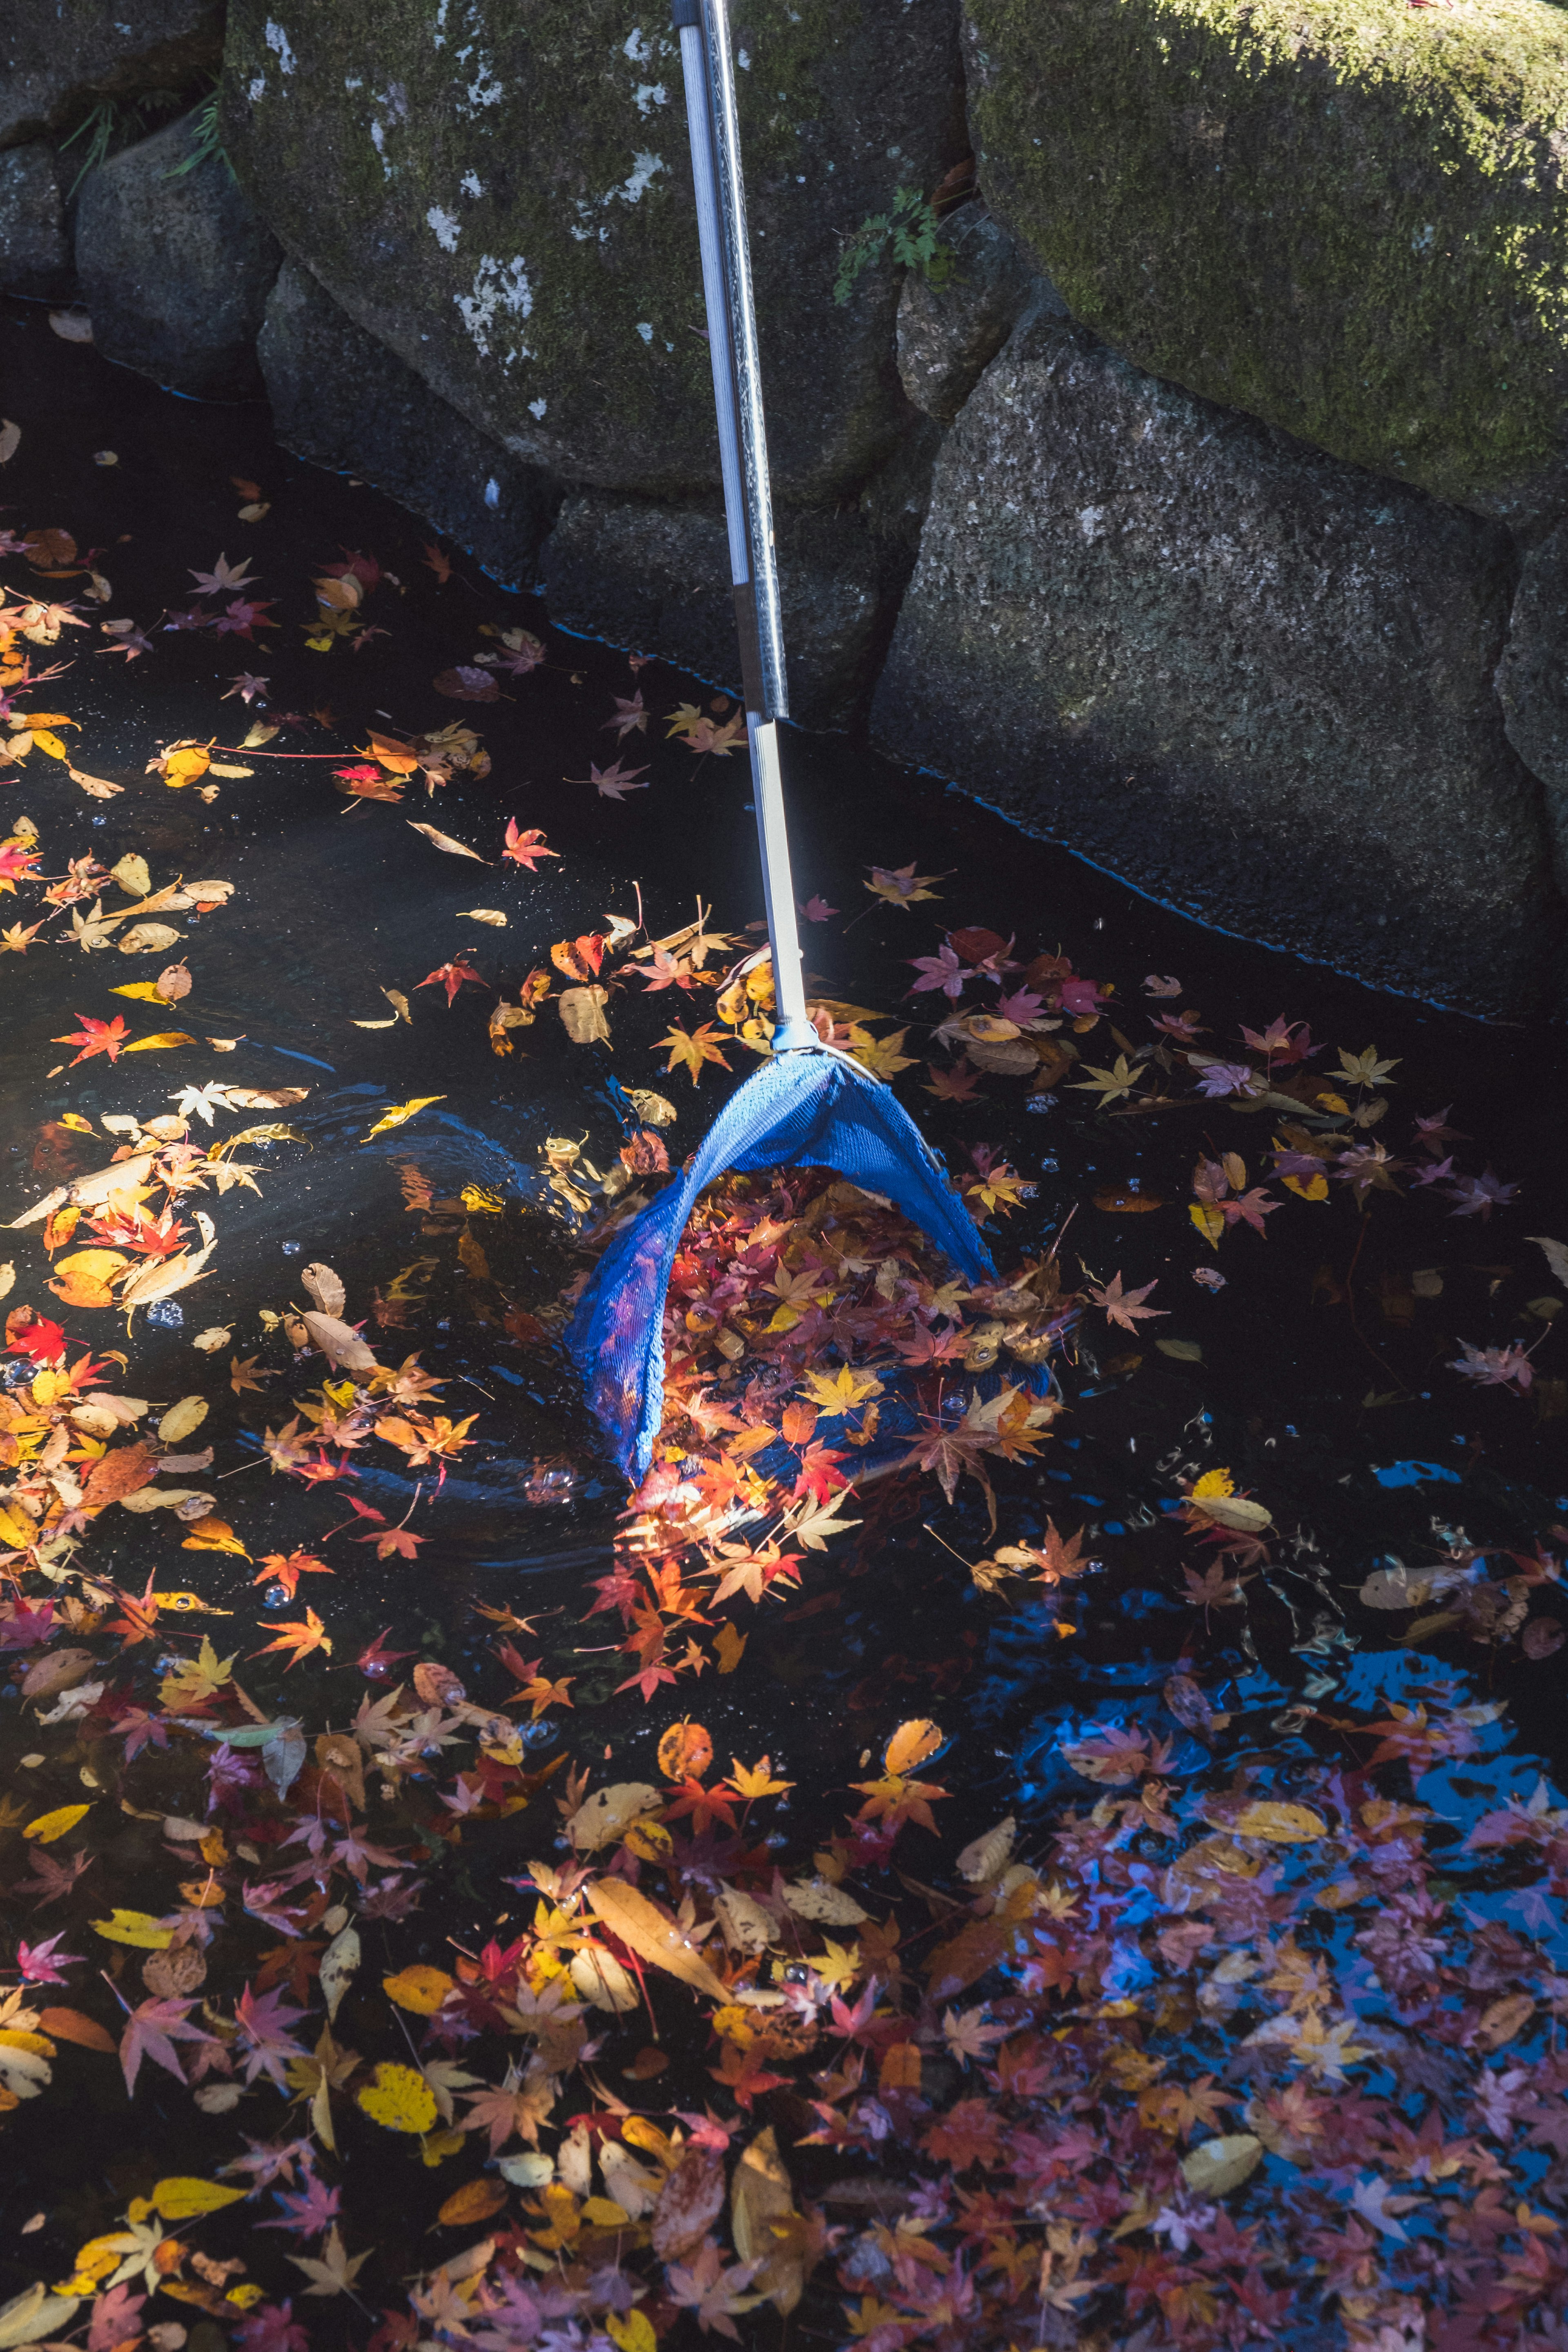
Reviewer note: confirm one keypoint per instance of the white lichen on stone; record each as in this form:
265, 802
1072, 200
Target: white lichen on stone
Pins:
470, 185
644, 330
537, 407
497, 287
446, 228
649, 94
638, 48
644, 168
276, 40
492, 492
256, 87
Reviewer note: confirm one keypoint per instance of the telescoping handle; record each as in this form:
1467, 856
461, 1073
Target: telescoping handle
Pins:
708, 70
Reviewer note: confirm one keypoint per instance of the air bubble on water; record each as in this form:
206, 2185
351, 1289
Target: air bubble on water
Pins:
168, 1312
290, 1249
539, 1735
1049, 1164
1041, 1102
275, 1597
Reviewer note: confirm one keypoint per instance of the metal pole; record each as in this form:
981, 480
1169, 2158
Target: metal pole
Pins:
708, 75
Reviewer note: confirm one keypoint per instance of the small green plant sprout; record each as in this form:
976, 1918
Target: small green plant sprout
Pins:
909, 230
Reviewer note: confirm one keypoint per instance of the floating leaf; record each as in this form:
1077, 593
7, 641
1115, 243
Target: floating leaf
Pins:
477, 2200
182, 1419
609, 1814
50, 1826
641, 1925
1183, 1351
685, 1752
399, 2098
401, 1113
445, 841
72, 2025
1284, 1824
137, 1927
180, 2198
1221, 2165
420, 1989
912, 1745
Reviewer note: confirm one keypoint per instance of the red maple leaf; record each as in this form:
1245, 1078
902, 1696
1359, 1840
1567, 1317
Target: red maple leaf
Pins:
450, 976
525, 848
96, 1037
286, 1569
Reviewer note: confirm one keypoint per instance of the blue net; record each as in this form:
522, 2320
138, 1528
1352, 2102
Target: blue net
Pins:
802, 1110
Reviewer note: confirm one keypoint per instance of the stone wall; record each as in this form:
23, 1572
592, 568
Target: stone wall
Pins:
1212, 518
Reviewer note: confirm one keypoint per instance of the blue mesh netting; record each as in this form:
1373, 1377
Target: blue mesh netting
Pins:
801, 1109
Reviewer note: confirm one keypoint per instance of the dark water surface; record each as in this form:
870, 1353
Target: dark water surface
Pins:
1336, 1405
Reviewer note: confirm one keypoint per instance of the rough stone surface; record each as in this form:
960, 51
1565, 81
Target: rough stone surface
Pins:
1248, 678
58, 58
175, 271
502, 195
1532, 680
1342, 217
343, 400
948, 336
35, 248
656, 578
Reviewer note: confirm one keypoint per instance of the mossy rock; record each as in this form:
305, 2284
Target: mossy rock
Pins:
502, 195
1345, 217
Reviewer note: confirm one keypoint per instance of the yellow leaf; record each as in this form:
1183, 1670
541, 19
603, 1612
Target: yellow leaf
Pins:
752, 1781
729, 1647
632, 2334
1309, 1187
642, 1926
50, 1826
912, 1745
423, 1990
75, 1121
1214, 1482
402, 1112
183, 767
1220, 2165
182, 1419
836, 1392
1210, 1221
604, 2213
50, 743
138, 1927
155, 1043
180, 2198
399, 2098
1285, 1825
213, 1535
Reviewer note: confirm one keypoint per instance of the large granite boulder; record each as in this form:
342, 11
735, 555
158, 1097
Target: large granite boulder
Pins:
58, 61
35, 245
175, 267
1248, 678
1344, 218
343, 400
503, 195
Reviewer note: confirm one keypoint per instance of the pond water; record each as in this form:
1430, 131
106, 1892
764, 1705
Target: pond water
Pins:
1247, 2026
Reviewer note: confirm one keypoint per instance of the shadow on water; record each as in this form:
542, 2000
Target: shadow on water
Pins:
1319, 1374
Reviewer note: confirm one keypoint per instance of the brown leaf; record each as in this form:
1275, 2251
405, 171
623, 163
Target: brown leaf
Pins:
339, 1343
115, 1474
325, 1288
72, 2025
60, 1670
475, 2201
583, 1014
688, 2204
